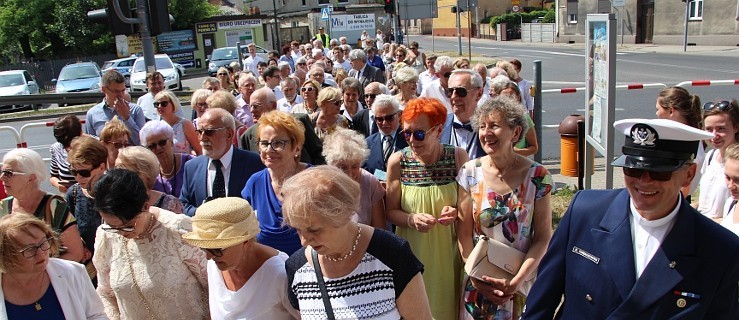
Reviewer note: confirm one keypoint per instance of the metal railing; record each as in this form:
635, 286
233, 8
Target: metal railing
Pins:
69, 98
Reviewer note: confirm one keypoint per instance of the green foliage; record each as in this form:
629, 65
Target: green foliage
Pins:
550, 17
187, 12
514, 19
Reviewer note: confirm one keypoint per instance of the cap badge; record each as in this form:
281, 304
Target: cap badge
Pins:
643, 135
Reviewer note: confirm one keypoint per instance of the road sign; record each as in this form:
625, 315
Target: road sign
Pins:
515, 2
324, 13
515, 8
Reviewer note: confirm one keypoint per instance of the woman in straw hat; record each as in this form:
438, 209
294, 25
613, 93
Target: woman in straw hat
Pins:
246, 279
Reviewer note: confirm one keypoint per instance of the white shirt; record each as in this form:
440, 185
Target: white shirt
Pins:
287, 106
344, 65
435, 90
250, 64
461, 137
226, 169
278, 93
728, 220
647, 236
425, 78
713, 191
146, 102
528, 100
346, 114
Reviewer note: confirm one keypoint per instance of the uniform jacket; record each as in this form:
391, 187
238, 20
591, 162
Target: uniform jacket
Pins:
195, 180
693, 274
375, 159
309, 153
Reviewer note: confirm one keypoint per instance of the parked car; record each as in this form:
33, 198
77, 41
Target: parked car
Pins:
164, 65
224, 56
123, 65
79, 77
16, 83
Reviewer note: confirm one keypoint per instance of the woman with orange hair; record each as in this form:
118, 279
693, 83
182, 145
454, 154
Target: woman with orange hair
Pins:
421, 195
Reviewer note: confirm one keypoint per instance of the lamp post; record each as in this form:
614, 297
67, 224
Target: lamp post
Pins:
276, 38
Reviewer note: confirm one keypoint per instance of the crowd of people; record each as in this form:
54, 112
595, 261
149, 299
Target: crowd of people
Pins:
336, 183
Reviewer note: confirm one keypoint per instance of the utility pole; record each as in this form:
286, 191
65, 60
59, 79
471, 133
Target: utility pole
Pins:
687, 19
142, 10
276, 39
459, 32
469, 32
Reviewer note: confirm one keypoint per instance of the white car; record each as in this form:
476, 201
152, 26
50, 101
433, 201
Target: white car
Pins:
17, 82
164, 65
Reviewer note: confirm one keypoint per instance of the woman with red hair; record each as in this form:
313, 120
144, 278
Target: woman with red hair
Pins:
421, 195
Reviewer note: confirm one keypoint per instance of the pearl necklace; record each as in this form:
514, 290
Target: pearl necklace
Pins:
354, 247
148, 228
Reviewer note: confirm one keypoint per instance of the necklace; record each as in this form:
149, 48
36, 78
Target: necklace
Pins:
500, 172
148, 228
354, 247
174, 166
38, 302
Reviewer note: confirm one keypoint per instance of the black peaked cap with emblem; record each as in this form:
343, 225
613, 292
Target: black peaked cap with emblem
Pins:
657, 144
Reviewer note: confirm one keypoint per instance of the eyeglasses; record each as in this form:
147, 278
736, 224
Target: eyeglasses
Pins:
160, 143
337, 102
723, 105
208, 132
447, 75
419, 135
654, 175
387, 118
277, 145
400, 56
9, 173
306, 89
461, 92
201, 105
370, 95
31, 251
222, 74
117, 144
85, 173
214, 252
124, 229
163, 104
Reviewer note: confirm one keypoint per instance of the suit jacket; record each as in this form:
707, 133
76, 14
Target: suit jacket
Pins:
446, 138
362, 123
194, 185
692, 275
370, 74
312, 147
376, 160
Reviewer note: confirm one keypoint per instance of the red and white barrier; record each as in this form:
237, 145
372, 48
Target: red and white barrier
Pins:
632, 86
26, 127
18, 141
705, 83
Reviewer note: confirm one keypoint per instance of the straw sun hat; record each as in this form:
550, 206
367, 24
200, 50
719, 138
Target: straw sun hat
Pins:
222, 223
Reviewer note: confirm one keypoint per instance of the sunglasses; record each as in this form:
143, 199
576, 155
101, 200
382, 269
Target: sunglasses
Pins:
163, 104
117, 144
85, 173
214, 252
657, 176
208, 132
31, 251
387, 118
370, 95
9, 173
306, 89
723, 106
222, 74
447, 75
160, 143
461, 92
418, 135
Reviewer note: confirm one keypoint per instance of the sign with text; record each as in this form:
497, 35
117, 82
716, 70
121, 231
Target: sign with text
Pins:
350, 22
186, 59
135, 46
176, 41
239, 24
238, 36
206, 27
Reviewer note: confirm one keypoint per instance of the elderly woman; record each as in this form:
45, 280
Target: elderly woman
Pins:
35, 286
347, 150
421, 200
328, 118
506, 197
309, 91
185, 140
114, 136
226, 101
354, 265
280, 139
145, 269
157, 137
142, 161
23, 170
198, 104
351, 90
246, 279
406, 80
66, 128
528, 145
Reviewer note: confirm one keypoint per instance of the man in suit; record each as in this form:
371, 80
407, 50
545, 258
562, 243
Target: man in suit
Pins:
387, 140
222, 170
263, 101
362, 71
364, 120
643, 252
465, 89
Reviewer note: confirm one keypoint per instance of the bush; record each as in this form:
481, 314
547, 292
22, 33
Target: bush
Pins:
514, 19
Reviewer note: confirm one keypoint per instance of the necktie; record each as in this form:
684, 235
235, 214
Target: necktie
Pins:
458, 125
387, 147
219, 183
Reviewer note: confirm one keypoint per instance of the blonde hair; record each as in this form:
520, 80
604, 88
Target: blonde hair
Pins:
199, 94
171, 97
321, 191
114, 129
222, 99
329, 94
10, 227
141, 161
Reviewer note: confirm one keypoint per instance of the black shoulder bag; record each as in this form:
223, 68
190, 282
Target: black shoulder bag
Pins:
322, 286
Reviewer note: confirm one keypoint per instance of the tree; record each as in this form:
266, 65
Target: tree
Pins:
187, 12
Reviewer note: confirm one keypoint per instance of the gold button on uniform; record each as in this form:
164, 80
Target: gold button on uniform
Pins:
681, 303
588, 297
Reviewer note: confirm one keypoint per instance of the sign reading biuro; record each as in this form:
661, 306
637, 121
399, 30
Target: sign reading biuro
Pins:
352, 22
239, 24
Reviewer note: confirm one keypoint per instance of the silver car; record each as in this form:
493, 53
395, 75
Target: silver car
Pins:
122, 65
15, 83
79, 77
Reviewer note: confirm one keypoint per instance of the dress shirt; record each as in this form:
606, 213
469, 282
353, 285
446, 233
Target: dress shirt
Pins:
100, 114
647, 236
462, 137
243, 113
250, 64
287, 106
226, 161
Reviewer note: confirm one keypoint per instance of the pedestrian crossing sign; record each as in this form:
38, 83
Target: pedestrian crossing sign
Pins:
324, 13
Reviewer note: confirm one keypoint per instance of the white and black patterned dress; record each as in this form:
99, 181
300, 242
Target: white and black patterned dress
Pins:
368, 292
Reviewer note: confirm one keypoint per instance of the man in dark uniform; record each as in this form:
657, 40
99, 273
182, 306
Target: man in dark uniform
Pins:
642, 252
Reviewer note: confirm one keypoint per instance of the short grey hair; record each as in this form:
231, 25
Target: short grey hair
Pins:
386, 100
283, 65
512, 111
222, 115
155, 127
345, 145
404, 75
199, 94
28, 161
285, 81
211, 80
314, 68
497, 71
475, 78
247, 77
443, 62
351, 83
315, 52
357, 54
321, 191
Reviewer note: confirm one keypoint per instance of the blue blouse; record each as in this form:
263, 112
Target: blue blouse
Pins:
50, 308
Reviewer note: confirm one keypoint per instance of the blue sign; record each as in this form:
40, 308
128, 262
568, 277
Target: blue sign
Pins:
186, 59
325, 11
176, 41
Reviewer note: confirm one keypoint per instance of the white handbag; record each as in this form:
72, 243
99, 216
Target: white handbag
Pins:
495, 259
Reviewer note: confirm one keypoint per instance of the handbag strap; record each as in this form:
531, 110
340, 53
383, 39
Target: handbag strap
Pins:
322, 286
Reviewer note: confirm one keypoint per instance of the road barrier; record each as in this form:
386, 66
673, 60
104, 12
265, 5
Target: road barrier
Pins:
705, 83
632, 86
22, 135
19, 142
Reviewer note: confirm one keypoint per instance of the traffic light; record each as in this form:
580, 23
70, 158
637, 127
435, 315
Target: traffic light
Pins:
116, 25
158, 17
390, 6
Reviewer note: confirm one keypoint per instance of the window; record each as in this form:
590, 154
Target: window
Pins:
323, 2
572, 11
696, 10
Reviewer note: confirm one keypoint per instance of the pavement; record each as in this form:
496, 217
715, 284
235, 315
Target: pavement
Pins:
597, 179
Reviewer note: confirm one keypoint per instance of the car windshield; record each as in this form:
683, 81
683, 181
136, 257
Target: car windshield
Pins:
10, 80
225, 54
78, 72
162, 63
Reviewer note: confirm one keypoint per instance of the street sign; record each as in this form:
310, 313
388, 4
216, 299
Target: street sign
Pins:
325, 12
515, 8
